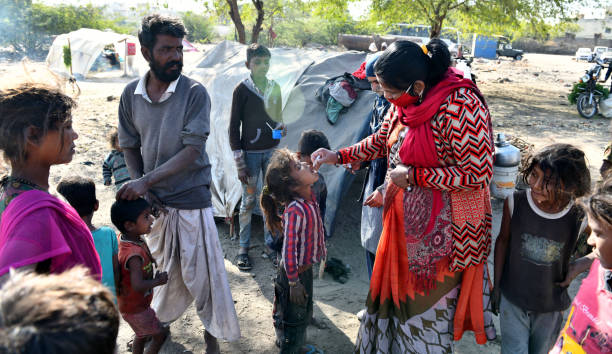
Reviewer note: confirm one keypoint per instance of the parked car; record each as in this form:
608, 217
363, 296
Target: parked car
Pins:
584, 54
598, 51
420, 34
504, 49
607, 56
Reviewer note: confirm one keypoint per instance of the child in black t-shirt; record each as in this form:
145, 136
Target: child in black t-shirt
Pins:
539, 232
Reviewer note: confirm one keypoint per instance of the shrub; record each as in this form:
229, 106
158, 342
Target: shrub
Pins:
579, 87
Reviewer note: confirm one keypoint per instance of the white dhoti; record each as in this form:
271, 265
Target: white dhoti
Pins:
185, 244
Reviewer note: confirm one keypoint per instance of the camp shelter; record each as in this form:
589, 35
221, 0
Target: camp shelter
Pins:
299, 72
86, 45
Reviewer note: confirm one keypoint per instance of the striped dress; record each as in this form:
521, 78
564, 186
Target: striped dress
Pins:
410, 319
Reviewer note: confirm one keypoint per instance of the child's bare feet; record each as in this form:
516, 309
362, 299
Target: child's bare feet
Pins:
157, 342
212, 345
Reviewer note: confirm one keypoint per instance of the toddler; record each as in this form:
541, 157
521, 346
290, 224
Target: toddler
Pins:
114, 164
133, 219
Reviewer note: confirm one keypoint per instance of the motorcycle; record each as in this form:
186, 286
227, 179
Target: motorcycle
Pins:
589, 97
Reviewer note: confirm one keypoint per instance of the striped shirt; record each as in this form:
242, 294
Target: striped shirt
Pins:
115, 166
304, 242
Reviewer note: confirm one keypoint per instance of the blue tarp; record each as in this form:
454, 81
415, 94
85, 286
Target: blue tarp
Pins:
484, 47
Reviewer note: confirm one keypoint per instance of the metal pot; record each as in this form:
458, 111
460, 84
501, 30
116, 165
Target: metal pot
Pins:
505, 167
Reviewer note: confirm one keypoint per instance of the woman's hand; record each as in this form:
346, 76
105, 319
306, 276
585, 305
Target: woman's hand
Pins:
322, 156
400, 176
374, 200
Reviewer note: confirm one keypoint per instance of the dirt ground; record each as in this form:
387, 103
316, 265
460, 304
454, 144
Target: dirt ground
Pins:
526, 99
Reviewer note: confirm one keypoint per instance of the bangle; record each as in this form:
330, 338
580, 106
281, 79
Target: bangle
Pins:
338, 157
408, 175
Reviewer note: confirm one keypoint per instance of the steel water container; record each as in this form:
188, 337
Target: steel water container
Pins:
505, 167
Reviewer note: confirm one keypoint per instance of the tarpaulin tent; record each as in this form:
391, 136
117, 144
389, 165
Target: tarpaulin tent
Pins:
86, 45
299, 73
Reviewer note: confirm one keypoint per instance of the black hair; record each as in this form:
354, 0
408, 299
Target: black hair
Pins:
35, 105
569, 173
405, 62
127, 210
155, 24
113, 138
278, 188
80, 192
599, 204
311, 140
257, 50
69, 312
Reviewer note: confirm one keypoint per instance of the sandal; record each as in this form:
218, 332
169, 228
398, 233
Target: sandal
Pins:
243, 262
270, 256
313, 350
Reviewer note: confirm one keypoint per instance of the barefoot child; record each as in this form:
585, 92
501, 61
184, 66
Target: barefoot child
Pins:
255, 130
114, 165
539, 232
38, 231
589, 324
288, 185
133, 219
81, 194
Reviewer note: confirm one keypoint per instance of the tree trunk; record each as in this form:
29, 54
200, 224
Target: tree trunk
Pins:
436, 28
259, 6
235, 16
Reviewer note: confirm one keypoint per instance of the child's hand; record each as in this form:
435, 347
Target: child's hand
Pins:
283, 128
297, 294
161, 278
573, 271
243, 175
495, 300
374, 200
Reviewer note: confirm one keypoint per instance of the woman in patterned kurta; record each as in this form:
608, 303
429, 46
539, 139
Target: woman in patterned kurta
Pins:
430, 281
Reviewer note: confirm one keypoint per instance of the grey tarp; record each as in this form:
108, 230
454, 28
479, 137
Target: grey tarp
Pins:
299, 73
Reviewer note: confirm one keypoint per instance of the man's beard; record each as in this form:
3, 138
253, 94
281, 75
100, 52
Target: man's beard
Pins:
162, 74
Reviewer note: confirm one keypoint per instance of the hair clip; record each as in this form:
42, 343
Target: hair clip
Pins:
424, 48
265, 190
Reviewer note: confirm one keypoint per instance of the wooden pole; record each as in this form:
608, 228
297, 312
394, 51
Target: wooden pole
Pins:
70, 50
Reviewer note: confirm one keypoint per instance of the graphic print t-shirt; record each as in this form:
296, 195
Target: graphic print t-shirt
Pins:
538, 254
